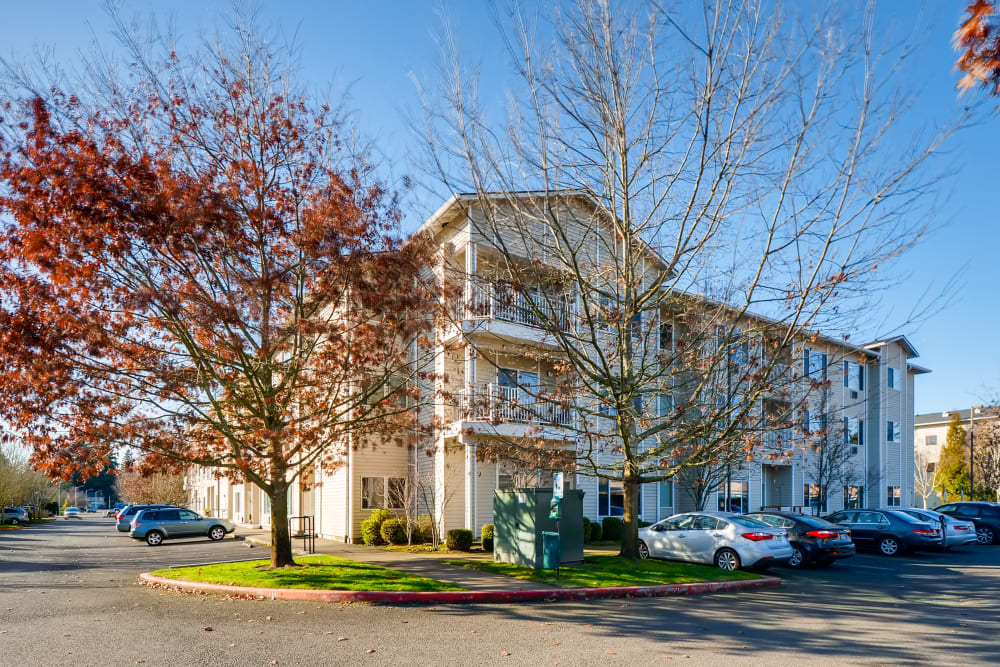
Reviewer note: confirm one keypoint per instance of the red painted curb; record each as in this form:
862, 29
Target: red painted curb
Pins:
434, 597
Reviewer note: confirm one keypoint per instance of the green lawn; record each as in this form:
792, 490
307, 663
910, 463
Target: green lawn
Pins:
317, 572
4, 527
612, 570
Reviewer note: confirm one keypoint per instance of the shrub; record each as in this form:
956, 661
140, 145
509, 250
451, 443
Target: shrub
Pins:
393, 531
371, 528
459, 539
423, 531
52, 507
586, 529
487, 537
611, 528
595, 531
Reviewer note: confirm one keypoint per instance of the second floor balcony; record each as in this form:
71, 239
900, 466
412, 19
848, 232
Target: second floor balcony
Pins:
498, 404
497, 300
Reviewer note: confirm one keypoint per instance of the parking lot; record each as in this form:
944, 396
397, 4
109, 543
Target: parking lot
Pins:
69, 587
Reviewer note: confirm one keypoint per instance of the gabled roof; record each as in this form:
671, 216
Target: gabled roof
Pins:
911, 352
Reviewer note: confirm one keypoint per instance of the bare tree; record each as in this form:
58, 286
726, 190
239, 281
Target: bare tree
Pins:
925, 479
987, 452
136, 488
680, 200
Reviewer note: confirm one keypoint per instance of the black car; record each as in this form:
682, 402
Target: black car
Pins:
814, 541
889, 532
985, 515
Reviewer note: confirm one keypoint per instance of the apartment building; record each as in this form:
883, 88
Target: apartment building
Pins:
488, 361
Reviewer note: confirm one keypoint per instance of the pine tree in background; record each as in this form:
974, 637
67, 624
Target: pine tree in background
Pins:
953, 464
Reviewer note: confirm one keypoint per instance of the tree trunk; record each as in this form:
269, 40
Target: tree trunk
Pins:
281, 541
630, 521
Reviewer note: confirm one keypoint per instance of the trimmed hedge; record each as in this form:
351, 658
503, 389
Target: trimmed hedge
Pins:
487, 537
596, 533
371, 528
423, 530
459, 539
393, 531
586, 529
611, 528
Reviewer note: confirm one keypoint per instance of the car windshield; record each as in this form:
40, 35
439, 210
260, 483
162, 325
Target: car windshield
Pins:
747, 522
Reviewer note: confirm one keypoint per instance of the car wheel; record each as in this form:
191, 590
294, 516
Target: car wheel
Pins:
889, 546
985, 535
727, 559
154, 538
15, 522
218, 532
798, 558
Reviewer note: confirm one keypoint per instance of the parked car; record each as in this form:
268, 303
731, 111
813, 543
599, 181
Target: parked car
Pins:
72, 513
125, 516
890, 532
956, 532
814, 541
985, 516
14, 515
730, 541
156, 525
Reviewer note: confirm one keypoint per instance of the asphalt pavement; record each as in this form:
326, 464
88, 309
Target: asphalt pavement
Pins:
68, 597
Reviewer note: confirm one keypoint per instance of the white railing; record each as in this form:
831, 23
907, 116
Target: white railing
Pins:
498, 404
778, 439
500, 301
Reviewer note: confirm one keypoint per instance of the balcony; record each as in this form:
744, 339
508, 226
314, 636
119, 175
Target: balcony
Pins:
500, 301
496, 404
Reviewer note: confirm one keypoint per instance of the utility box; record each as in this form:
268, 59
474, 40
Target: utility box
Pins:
520, 521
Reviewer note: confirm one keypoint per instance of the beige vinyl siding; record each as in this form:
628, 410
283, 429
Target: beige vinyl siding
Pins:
486, 484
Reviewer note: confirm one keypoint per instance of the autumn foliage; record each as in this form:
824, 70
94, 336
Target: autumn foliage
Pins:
203, 270
978, 39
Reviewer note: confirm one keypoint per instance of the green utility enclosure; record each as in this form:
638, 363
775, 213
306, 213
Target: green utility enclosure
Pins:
521, 516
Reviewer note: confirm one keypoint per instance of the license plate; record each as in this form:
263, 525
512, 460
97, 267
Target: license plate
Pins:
843, 536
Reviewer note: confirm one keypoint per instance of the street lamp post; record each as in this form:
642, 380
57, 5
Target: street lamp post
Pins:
972, 451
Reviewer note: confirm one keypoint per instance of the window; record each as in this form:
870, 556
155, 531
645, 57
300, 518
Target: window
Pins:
666, 336
895, 382
843, 517
396, 492
168, 515
931, 441
813, 364
812, 496
606, 408
611, 498
892, 431
893, 496
854, 376
854, 497
814, 422
854, 432
666, 404
931, 467
505, 481
739, 497
708, 523
666, 499
871, 518
372, 493
188, 515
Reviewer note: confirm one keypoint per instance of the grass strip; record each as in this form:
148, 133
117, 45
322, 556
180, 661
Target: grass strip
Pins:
314, 572
612, 570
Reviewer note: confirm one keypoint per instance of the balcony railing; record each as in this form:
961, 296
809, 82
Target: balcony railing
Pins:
500, 301
498, 404
778, 439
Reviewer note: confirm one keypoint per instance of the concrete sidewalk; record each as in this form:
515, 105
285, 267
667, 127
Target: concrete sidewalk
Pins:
428, 564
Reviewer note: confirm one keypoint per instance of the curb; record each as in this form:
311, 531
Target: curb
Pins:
446, 597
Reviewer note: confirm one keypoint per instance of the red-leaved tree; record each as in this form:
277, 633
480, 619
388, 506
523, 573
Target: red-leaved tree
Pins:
978, 38
197, 265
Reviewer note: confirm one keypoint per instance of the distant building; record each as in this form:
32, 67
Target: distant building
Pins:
930, 434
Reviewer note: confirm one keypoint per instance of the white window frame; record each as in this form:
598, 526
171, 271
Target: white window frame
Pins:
893, 377
892, 431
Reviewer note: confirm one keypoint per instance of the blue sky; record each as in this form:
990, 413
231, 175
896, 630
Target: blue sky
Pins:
379, 47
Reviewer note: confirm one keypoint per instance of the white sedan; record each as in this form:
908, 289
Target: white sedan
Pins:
730, 541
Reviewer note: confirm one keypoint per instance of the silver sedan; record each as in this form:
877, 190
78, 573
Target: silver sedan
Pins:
729, 541
955, 532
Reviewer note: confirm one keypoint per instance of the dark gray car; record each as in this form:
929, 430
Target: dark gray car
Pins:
156, 525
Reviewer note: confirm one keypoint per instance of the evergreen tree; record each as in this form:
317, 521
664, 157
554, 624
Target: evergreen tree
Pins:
953, 464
